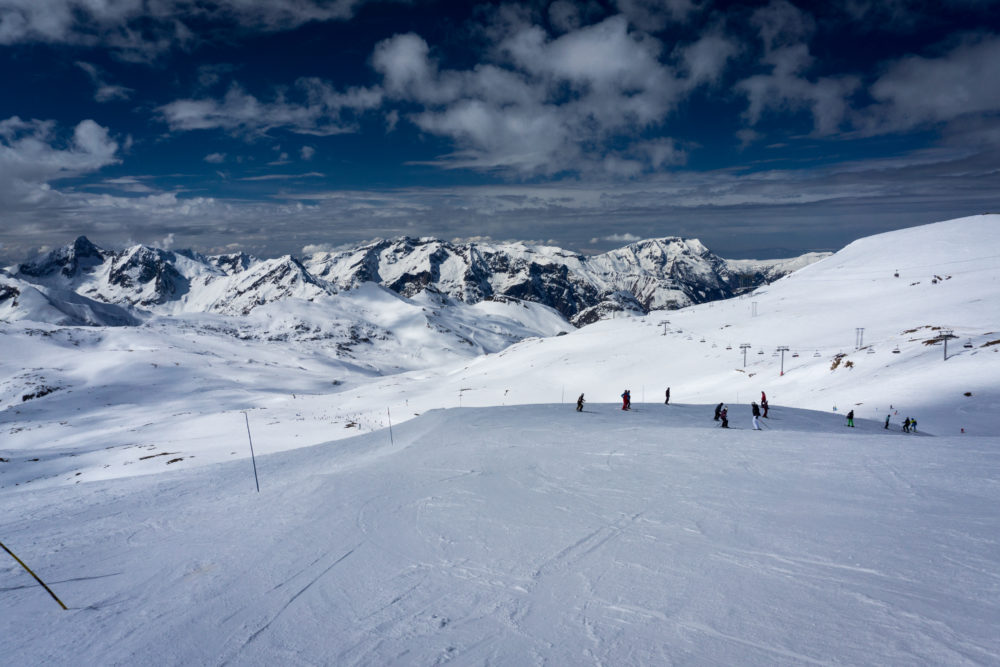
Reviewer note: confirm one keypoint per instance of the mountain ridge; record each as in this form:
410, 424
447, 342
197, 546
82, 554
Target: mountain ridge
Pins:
654, 274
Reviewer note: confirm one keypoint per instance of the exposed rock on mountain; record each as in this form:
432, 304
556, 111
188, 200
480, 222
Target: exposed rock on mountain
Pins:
655, 274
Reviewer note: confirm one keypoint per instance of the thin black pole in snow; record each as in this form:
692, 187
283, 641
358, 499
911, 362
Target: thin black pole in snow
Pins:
387, 414
252, 457
28, 569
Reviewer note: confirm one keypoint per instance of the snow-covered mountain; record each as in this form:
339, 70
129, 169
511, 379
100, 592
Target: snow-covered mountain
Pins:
428, 494
650, 275
656, 274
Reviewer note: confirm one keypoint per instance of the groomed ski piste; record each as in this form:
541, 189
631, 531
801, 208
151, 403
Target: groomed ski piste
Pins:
493, 524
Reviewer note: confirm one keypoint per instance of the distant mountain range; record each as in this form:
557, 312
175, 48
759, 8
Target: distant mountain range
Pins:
82, 284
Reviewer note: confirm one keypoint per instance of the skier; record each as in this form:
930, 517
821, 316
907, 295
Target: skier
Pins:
756, 414
667, 402
763, 405
718, 411
626, 400
906, 425
913, 424
763, 397
579, 404
724, 414
886, 427
850, 418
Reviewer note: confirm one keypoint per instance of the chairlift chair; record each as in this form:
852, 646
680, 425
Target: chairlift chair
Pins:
968, 343
871, 350
760, 351
794, 354
816, 354
896, 350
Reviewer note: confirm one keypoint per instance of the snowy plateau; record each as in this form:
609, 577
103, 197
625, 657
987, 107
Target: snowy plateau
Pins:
428, 492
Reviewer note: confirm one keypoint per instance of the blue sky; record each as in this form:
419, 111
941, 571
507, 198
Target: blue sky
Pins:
765, 129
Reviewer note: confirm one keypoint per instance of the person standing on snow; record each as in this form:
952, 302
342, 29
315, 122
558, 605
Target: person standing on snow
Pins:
913, 424
724, 415
667, 402
886, 427
850, 418
626, 400
718, 411
763, 405
906, 425
756, 414
579, 404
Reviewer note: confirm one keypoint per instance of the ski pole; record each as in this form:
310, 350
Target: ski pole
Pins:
34, 575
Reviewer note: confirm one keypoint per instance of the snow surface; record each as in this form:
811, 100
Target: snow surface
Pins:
509, 529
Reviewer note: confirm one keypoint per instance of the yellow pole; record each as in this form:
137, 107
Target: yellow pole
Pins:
34, 575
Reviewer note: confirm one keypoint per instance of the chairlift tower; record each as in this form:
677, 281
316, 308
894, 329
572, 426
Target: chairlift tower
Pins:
782, 349
744, 347
859, 338
946, 334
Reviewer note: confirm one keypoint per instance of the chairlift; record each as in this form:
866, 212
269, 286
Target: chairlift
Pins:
968, 344
896, 350
774, 354
871, 350
729, 347
816, 354
702, 340
794, 354
714, 345
760, 351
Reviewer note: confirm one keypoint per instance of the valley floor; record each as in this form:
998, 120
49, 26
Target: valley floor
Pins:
526, 535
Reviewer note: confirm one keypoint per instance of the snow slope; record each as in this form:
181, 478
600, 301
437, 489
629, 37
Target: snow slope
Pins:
948, 280
526, 535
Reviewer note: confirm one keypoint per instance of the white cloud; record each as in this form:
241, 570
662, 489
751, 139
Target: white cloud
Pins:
916, 90
283, 177
705, 60
780, 23
617, 238
324, 112
104, 92
215, 158
542, 105
141, 30
33, 153
788, 89
307, 152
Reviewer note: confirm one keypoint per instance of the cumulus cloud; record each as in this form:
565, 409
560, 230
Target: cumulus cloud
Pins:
215, 158
787, 88
323, 111
542, 105
783, 30
34, 152
963, 82
307, 152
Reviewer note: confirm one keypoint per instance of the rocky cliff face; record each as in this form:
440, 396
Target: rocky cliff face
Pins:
655, 274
